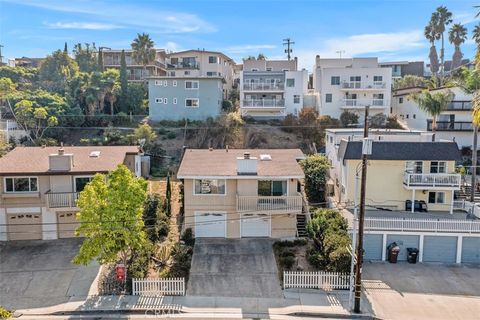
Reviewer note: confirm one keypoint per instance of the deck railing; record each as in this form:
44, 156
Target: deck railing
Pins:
263, 86
62, 199
452, 180
425, 225
157, 287
272, 203
264, 103
316, 280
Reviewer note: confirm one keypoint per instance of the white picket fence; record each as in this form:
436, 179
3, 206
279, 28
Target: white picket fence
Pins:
316, 280
162, 286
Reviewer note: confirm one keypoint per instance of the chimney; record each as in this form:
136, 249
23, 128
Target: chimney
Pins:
246, 165
60, 161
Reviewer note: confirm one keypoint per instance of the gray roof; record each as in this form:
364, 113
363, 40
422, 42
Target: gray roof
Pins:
398, 150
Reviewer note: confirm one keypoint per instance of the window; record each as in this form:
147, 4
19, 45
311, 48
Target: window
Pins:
172, 73
211, 74
407, 116
174, 100
158, 100
356, 78
414, 167
267, 188
165, 100
212, 59
400, 100
187, 73
254, 69
328, 97
414, 116
335, 81
165, 83
158, 82
269, 69
191, 103
296, 98
291, 82
206, 186
438, 167
21, 184
377, 78
436, 197
81, 182
285, 70
191, 85
174, 83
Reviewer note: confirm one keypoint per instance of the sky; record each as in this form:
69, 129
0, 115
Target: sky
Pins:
391, 30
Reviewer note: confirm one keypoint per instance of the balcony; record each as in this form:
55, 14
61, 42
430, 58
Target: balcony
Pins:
432, 180
184, 65
62, 199
260, 86
264, 103
360, 103
358, 85
290, 204
460, 106
451, 126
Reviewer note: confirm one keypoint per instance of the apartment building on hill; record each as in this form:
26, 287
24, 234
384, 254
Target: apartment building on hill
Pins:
135, 70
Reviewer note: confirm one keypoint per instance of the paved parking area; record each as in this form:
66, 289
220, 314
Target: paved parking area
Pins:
234, 268
36, 274
423, 291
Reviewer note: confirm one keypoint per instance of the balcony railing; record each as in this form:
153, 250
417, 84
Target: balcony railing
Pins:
450, 126
362, 85
425, 225
263, 86
272, 203
447, 180
264, 103
62, 199
184, 65
460, 106
360, 103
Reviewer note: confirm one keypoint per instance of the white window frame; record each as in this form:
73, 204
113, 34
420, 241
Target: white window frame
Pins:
192, 82
282, 180
198, 103
165, 83
158, 82
438, 167
75, 181
254, 69
217, 60
269, 69
286, 82
296, 95
436, 197
210, 194
174, 83
165, 100
174, 100
20, 177
411, 165
159, 100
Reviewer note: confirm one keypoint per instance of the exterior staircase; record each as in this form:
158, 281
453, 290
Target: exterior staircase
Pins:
464, 194
301, 225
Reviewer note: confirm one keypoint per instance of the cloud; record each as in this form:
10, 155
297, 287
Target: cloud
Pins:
465, 17
249, 48
125, 15
82, 25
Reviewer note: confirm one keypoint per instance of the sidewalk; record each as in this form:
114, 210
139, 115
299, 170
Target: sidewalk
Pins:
304, 302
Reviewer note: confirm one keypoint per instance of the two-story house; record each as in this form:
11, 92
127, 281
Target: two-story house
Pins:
351, 84
235, 193
39, 187
135, 71
272, 88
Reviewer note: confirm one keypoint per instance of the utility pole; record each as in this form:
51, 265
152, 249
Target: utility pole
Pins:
366, 150
474, 164
287, 42
340, 53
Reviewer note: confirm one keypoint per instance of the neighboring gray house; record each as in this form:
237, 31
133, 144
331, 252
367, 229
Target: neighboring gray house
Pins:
177, 98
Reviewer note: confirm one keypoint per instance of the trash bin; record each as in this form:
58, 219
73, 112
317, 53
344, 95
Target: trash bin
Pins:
412, 255
393, 251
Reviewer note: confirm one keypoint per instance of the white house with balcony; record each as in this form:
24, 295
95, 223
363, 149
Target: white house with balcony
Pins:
272, 88
350, 84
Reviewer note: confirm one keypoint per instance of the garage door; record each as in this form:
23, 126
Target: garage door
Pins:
372, 244
471, 250
440, 249
210, 225
67, 223
26, 226
255, 225
404, 242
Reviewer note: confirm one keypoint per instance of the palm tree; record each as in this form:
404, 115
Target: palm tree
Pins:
143, 51
433, 103
111, 79
441, 18
457, 35
476, 38
432, 36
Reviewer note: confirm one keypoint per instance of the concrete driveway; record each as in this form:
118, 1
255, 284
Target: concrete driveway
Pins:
234, 268
36, 274
422, 291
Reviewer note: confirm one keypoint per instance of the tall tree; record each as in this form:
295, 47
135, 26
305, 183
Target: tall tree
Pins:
432, 36
35, 120
65, 48
441, 18
56, 70
476, 38
110, 217
86, 57
168, 196
143, 51
457, 35
100, 60
123, 82
111, 86
433, 103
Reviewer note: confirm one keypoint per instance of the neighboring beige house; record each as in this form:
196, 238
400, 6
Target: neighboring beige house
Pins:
39, 187
235, 193
399, 171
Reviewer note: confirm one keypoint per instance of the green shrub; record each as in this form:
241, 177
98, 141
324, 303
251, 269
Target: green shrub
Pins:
163, 131
163, 224
182, 258
287, 262
188, 238
348, 118
316, 169
227, 105
315, 259
171, 135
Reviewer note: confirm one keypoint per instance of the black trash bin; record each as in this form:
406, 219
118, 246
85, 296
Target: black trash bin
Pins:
393, 251
412, 255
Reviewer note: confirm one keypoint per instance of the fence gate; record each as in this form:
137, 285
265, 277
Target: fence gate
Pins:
162, 286
316, 280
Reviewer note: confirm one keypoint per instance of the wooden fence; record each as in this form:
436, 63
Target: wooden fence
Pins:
316, 280
162, 286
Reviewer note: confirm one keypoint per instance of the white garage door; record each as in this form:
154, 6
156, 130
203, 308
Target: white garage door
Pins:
67, 223
255, 225
26, 226
210, 225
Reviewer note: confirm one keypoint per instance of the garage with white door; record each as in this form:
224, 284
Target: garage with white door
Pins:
404, 242
255, 225
471, 250
440, 249
24, 226
372, 246
67, 223
210, 224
